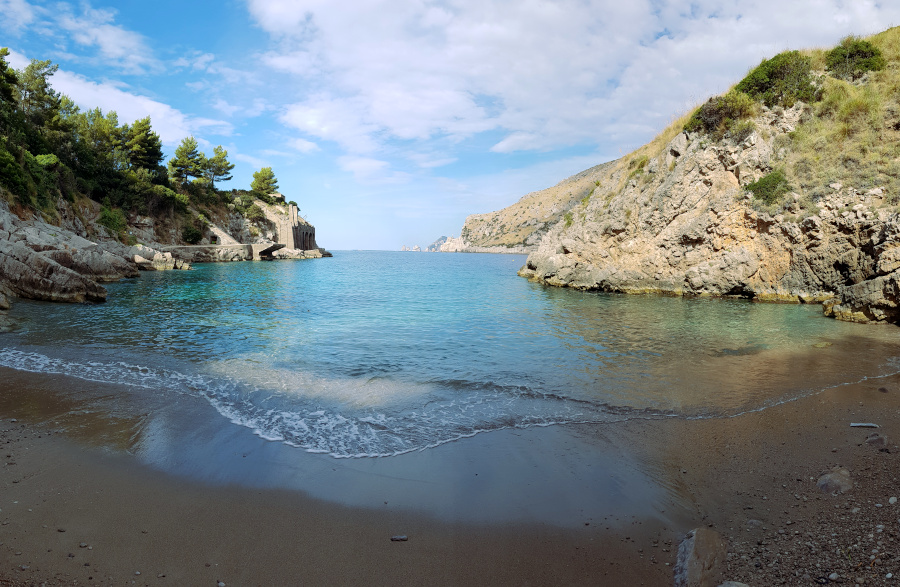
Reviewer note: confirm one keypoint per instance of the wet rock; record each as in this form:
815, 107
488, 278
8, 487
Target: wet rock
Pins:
701, 559
836, 481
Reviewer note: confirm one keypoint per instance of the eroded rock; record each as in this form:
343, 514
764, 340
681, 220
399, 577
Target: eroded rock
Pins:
701, 559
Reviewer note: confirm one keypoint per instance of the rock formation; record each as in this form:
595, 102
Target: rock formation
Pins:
674, 218
520, 227
45, 262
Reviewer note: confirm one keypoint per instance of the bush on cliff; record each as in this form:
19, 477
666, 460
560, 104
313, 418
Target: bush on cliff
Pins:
853, 58
191, 234
781, 80
722, 115
770, 187
113, 219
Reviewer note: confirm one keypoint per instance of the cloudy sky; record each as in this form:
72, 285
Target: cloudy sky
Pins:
389, 121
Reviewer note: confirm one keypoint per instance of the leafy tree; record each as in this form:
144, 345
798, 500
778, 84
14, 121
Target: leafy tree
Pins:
264, 181
8, 79
218, 167
781, 80
143, 147
37, 99
854, 57
187, 162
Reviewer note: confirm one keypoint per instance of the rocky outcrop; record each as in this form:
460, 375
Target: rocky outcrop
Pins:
675, 218
45, 262
519, 228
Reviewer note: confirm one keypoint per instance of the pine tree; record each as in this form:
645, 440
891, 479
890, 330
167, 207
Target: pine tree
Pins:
264, 181
143, 146
218, 167
187, 162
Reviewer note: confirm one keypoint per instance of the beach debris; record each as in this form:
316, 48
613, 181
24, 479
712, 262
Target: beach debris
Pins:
82, 545
60, 529
876, 439
137, 572
399, 538
701, 557
836, 481
220, 584
863, 425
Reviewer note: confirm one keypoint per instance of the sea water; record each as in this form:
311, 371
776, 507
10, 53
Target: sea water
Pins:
381, 353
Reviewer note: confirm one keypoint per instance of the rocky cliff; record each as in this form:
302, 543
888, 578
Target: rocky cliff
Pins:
683, 215
519, 228
685, 226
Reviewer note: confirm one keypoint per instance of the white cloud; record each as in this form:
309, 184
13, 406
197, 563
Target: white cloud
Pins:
254, 161
95, 28
197, 61
15, 15
371, 171
549, 73
303, 145
171, 124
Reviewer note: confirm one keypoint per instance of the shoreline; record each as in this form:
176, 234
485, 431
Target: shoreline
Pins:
750, 477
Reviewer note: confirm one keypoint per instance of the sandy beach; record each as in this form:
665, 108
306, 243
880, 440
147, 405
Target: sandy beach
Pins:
79, 508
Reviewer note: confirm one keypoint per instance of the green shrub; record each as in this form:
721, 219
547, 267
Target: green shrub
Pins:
854, 57
781, 80
191, 234
720, 114
11, 175
739, 130
254, 212
113, 219
568, 219
770, 187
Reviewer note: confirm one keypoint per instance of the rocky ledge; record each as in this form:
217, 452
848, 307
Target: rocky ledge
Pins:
677, 220
40, 261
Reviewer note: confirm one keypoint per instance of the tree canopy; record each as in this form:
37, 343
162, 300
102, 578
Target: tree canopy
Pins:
264, 181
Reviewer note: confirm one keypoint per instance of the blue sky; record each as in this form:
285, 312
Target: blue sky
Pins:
390, 121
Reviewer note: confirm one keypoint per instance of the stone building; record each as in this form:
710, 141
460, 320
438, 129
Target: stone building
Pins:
296, 233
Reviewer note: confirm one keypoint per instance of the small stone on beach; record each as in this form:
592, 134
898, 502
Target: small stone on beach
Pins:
401, 538
220, 584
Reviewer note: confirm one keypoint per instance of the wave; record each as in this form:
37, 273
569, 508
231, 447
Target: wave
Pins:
298, 410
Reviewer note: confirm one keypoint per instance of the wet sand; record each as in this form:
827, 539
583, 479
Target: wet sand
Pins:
580, 504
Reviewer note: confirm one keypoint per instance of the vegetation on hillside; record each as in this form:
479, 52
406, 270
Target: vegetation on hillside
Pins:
50, 149
850, 133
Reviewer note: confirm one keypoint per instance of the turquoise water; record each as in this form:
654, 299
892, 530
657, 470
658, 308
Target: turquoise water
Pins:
381, 353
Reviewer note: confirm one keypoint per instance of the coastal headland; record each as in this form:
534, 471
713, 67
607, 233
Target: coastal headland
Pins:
783, 189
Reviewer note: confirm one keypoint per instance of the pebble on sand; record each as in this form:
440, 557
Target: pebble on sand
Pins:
401, 538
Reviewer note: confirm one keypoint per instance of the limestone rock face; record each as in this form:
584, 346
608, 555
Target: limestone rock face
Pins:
45, 262
679, 222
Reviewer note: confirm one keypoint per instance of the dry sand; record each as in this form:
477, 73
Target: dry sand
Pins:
78, 515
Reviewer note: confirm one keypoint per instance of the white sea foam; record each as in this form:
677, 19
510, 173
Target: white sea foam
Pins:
294, 415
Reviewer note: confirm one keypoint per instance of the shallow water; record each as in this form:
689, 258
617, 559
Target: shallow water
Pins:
383, 353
